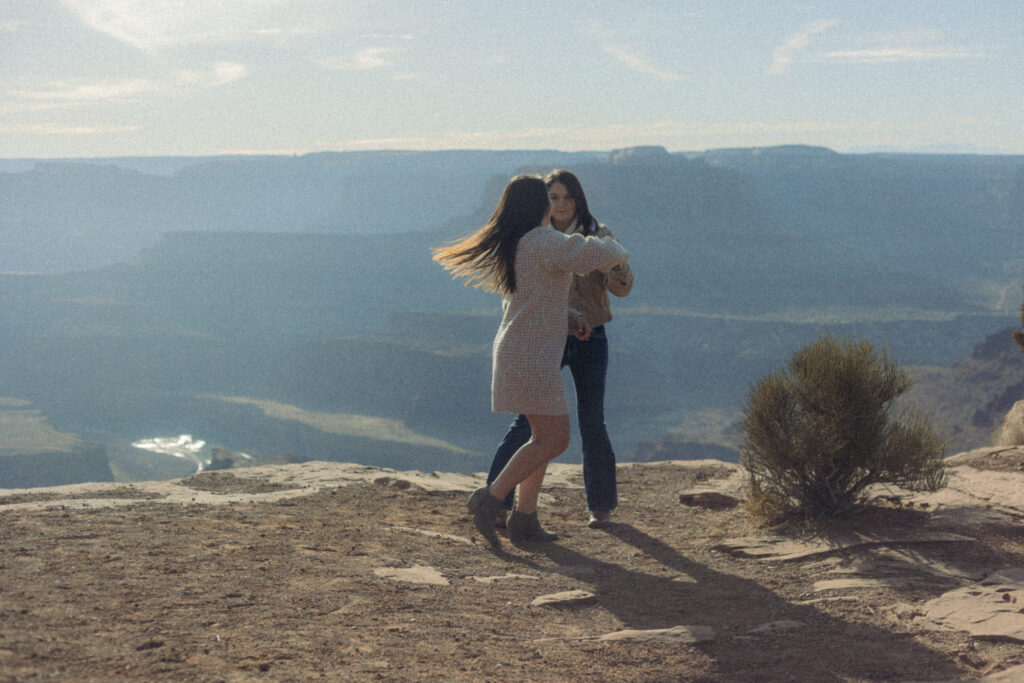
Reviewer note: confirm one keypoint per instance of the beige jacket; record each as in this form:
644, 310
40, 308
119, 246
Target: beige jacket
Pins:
589, 293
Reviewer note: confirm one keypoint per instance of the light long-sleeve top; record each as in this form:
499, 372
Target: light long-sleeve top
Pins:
527, 351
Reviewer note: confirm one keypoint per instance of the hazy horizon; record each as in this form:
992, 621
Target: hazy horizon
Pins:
936, 149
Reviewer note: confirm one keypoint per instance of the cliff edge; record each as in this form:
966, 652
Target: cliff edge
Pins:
345, 572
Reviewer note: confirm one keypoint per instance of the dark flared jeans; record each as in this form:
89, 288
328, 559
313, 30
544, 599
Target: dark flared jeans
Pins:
588, 363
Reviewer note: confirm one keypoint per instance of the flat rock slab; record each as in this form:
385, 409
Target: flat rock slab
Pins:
414, 574
990, 457
992, 608
675, 634
564, 599
780, 548
968, 487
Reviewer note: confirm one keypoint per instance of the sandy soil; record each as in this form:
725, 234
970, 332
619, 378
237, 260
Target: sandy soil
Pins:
381, 579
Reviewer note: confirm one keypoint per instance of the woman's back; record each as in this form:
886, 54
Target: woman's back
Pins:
528, 347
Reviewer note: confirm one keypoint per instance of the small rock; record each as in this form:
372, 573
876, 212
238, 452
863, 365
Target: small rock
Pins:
564, 599
714, 500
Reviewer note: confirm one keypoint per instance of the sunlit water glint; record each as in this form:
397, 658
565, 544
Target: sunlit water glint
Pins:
182, 446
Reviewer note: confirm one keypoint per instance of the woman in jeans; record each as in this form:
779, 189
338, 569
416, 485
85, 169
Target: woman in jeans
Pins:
587, 358
519, 255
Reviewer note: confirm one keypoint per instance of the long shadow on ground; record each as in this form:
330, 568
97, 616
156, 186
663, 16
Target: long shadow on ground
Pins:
821, 648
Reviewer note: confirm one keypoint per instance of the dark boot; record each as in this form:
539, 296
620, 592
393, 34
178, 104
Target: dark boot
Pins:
483, 506
524, 527
501, 518
600, 519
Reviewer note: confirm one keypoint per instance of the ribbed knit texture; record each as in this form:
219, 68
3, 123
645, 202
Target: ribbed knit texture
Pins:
527, 351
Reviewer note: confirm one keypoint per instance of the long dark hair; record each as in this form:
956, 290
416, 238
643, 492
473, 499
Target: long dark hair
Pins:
488, 256
584, 219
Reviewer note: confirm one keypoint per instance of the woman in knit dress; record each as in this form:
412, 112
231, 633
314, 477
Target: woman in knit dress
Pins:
531, 264
587, 359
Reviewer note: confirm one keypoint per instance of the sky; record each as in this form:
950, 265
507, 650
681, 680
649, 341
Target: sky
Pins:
94, 78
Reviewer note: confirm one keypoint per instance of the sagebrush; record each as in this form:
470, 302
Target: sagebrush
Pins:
819, 433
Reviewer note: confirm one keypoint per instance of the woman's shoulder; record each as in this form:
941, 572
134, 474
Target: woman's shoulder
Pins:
542, 234
539, 240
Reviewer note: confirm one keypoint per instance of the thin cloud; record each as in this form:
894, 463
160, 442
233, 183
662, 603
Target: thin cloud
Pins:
56, 129
373, 57
631, 59
12, 26
367, 58
161, 23
628, 55
219, 74
104, 90
784, 54
15, 105
185, 80
387, 36
890, 55
909, 37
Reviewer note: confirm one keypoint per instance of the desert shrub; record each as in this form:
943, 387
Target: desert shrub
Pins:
820, 432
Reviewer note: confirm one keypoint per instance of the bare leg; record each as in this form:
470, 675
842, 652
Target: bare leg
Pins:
549, 439
529, 490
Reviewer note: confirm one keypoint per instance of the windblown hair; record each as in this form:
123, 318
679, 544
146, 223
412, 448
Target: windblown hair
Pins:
584, 219
487, 258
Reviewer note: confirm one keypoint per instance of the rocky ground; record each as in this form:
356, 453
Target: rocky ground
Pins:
342, 572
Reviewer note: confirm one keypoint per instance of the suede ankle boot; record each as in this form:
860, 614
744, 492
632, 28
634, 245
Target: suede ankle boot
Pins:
524, 527
483, 506
501, 518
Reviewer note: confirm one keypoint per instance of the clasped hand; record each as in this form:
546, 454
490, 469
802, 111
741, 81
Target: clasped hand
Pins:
580, 328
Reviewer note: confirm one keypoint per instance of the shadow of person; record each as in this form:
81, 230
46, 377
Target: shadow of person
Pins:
658, 587
907, 550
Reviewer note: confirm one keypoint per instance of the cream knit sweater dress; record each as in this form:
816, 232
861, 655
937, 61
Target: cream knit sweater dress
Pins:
527, 352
